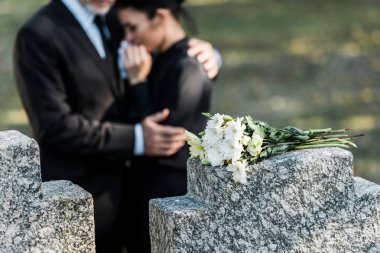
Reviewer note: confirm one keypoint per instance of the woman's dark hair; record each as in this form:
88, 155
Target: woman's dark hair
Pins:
150, 7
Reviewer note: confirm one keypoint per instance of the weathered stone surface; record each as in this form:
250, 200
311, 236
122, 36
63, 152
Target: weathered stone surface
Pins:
301, 201
39, 217
68, 210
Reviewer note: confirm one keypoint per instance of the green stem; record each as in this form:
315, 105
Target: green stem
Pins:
328, 140
313, 131
325, 145
335, 136
325, 130
332, 141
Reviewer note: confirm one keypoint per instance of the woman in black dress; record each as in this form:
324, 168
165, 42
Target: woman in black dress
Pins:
171, 80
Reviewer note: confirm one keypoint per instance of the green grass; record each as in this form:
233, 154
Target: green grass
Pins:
312, 64
12, 15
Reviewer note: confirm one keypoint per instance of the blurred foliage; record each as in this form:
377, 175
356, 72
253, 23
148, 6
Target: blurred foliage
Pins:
312, 64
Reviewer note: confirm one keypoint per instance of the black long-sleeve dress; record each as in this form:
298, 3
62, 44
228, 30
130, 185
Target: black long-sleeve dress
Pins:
180, 83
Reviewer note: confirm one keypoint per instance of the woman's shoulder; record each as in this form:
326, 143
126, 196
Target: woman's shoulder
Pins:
183, 65
187, 64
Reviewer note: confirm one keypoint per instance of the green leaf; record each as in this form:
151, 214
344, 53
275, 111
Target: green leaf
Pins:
250, 122
279, 149
295, 130
207, 114
227, 118
302, 138
206, 163
257, 128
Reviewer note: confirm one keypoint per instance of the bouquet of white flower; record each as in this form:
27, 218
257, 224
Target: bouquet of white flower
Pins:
242, 141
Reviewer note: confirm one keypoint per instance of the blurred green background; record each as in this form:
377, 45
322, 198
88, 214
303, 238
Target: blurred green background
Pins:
307, 63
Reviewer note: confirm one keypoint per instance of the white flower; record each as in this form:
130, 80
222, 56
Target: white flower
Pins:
196, 149
226, 148
223, 143
214, 157
238, 170
232, 146
236, 151
257, 140
254, 151
211, 143
245, 140
216, 121
213, 131
254, 146
234, 130
211, 137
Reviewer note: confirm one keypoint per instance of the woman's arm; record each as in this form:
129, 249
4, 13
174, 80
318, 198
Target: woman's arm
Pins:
138, 63
189, 96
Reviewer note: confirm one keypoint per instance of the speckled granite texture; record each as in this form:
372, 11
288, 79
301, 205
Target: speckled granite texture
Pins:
39, 217
301, 201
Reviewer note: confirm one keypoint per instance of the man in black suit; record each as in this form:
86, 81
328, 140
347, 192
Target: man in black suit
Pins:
65, 63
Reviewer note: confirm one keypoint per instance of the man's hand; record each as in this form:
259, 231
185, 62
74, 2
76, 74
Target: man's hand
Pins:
137, 62
205, 54
160, 140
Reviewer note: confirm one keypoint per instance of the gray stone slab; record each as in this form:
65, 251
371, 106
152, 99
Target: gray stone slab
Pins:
68, 212
39, 217
302, 201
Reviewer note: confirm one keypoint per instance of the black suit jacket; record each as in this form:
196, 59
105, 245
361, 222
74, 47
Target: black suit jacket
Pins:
75, 102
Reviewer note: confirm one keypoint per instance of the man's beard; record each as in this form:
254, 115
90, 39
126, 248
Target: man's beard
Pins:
92, 7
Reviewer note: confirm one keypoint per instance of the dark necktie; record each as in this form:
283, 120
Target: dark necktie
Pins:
101, 24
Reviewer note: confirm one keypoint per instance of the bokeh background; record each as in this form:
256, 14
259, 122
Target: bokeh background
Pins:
307, 63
